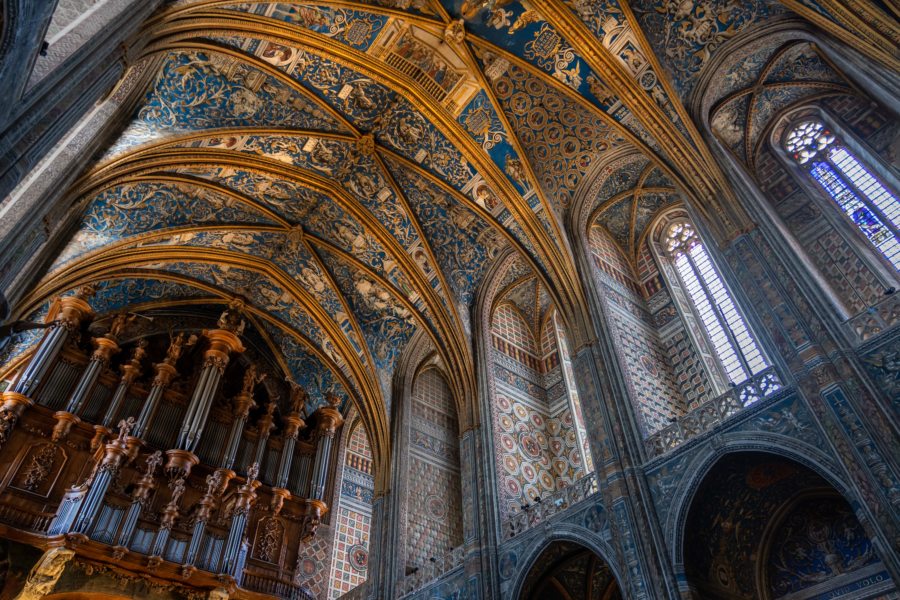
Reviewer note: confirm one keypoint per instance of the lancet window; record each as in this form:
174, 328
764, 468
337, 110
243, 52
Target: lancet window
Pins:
866, 201
734, 345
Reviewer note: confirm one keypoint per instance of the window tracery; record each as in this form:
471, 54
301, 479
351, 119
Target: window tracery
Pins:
868, 203
734, 345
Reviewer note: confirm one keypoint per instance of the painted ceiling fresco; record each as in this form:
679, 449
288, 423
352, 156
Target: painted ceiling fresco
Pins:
353, 169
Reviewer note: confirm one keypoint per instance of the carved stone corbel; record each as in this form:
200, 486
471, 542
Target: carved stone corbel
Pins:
46, 573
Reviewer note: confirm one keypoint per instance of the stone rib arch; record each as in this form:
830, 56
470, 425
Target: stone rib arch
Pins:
737, 515
557, 260
315, 181
805, 454
562, 532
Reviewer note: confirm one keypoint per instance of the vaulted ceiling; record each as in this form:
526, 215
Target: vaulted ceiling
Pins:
353, 168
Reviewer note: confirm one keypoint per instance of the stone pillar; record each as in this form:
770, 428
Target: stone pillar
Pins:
616, 448
139, 498
130, 372
73, 310
170, 514
223, 342
246, 497
163, 374
100, 480
214, 484
329, 420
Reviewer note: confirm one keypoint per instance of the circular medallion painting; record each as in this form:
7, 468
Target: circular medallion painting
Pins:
575, 457
648, 365
307, 568
437, 508
511, 464
508, 563
547, 480
529, 445
358, 557
512, 486
529, 473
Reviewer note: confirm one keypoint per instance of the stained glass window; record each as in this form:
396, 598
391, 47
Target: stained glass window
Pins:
734, 345
873, 208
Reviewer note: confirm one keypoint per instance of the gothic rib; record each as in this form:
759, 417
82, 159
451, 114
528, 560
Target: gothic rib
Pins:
164, 155
174, 35
550, 81
128, 257
705, 181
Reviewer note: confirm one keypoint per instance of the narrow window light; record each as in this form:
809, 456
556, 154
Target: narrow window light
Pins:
734, 345
868, 203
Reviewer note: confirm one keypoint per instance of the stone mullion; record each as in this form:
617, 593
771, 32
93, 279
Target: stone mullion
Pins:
617, 449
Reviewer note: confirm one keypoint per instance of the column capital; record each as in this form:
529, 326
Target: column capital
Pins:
224, 340
329, 420
222, 344
293, 423
15, 402
246, 496
104, 348
267, 421
132, 369
64, 422
73, 310
243, 402
164, 373
130, 373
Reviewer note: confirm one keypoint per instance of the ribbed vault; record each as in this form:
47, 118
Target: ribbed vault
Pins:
353, 168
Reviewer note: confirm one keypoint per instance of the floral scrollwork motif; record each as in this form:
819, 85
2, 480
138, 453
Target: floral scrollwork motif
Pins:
39, 467
269, 541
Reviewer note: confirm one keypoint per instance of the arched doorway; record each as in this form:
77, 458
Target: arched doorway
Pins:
569, 571
761, 526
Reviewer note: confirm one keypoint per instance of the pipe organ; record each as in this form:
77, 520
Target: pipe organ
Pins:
164, 455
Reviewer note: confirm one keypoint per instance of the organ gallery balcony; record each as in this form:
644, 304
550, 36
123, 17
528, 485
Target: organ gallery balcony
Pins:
194, 474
